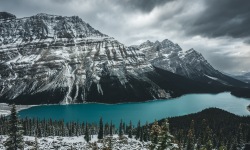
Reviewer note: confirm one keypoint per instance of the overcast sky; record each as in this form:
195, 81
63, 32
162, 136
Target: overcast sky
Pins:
219, 29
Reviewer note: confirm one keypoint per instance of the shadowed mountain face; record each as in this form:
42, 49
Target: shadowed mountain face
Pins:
6, 15
54, 59
244, 77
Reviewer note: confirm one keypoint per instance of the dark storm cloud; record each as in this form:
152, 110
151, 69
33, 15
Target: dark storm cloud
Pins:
142, 5
21, 8
219, 29
223, 18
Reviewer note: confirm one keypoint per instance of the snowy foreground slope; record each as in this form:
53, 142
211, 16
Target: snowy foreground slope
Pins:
55, 59
65, 143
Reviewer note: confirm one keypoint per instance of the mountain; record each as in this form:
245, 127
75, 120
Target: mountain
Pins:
244, 77
190, 64
55, 59
6, 15
52, 59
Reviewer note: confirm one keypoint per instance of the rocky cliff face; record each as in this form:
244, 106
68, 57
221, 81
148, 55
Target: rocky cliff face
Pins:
190, 64
65, 59
171, 57
54, 59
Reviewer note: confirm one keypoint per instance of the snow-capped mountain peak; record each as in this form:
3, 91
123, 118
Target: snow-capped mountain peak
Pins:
170, 56
193, 53
45, 27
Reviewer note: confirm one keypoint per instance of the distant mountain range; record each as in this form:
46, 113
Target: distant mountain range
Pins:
244, 77
55, 59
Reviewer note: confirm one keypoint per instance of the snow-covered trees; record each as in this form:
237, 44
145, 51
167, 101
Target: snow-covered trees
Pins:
36, 147
240, 139
154, 134
160, 136
191, 136
166, 139
193, 133
15, 132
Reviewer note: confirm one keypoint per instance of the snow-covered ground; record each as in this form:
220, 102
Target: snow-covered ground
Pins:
5, 108
78, 143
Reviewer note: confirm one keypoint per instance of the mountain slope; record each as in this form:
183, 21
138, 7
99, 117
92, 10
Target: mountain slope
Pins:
191, 64
54, 59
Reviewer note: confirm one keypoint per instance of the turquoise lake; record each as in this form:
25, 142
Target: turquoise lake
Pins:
145, 111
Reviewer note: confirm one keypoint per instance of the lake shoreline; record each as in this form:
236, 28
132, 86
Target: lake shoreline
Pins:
143, 111
129, 102
5, 108
122, 102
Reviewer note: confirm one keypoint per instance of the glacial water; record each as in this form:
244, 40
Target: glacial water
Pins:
143, 111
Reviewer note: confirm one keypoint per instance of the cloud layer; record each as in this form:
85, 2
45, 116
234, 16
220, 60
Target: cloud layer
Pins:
217, 29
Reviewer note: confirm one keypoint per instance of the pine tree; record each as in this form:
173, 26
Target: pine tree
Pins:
121, 129
130, 130
106, 129
38, 130
248, 135
222, 146
154, 134
1, 138
15, 132
124, 128
191, 136
100, 132
209, 143
86, 135
146, 133
233, 144
240, 139
203, 134
138, 130
110, 147
111, 129
141, 134
166, 137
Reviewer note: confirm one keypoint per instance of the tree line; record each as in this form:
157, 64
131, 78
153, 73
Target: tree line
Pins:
202, 131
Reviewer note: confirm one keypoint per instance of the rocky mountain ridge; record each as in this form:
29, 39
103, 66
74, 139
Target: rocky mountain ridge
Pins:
190, 64
54, 59
171, 57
